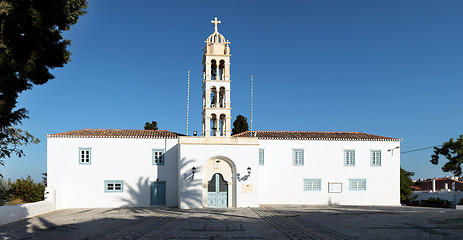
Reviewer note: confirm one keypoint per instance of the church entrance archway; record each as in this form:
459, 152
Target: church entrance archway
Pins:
219, 183
217, 192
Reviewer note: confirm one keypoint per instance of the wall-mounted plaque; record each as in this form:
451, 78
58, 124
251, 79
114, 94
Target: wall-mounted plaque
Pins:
248, 188
334, 187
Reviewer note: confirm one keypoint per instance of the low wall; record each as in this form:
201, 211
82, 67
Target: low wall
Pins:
454, 197
18, 212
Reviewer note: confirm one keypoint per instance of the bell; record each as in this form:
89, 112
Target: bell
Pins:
214, 124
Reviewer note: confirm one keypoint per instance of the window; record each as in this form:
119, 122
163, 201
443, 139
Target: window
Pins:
357, 184
261, 156
312, 184
114, 186
375, 158
298, 157
158, 157
349, 157
85, 155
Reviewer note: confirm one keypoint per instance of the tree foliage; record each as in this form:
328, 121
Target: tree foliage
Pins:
26, 190
453, 151
151, 126
31, 44
10, 144
405, 185
240, 125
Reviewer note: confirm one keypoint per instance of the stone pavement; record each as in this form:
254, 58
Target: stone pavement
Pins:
266, 222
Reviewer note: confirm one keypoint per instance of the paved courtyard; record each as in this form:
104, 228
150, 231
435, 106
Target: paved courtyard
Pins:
266, 222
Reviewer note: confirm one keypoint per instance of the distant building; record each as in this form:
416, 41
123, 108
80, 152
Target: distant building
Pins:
443, 188
114, 168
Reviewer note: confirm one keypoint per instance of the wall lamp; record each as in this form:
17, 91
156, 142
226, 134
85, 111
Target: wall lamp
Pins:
245, 177
192, 176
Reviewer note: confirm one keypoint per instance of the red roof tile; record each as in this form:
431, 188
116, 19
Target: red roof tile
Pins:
303, 135
116, 133
440, 184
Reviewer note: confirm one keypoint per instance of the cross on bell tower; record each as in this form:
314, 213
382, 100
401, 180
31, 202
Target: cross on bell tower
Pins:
216, 85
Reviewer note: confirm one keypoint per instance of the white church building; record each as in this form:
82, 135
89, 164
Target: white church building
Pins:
93, 168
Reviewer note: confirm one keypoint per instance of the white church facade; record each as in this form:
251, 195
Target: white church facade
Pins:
92, 168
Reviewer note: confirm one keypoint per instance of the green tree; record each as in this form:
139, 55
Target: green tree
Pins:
405, 185
151, 126
31, 44
26, 190
240, 125
453, 151
10, 144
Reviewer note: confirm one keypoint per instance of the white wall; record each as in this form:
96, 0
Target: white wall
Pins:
282, 183
196, 155
127, 159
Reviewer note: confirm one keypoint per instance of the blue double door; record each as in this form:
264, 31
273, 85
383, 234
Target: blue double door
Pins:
217, 192
158, 193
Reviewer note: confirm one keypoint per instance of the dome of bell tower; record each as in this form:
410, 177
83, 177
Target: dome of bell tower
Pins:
215, 43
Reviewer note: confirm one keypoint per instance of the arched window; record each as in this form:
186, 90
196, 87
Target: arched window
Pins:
222, 125
213, 125
222, 70
213, 69
213, 97
222, 97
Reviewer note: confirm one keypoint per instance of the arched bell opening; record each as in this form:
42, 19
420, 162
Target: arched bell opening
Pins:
222, 97
213, 69
222, 124
213, 97
222, 70
214, 125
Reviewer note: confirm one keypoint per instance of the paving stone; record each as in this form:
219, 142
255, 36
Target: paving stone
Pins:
266, 222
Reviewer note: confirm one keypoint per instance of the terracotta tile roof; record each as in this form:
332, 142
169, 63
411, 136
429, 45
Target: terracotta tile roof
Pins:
326, 136
116, 133
440, 184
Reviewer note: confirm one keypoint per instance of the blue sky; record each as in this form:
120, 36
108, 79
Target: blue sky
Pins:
391, 68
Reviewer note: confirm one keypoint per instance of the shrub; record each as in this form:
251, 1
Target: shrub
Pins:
460, 202
437, 201
3, 192
26, 190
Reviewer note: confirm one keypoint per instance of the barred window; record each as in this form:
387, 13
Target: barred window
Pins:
357, 184
261, 156
312, 185
298, 157
375, 158
349, 157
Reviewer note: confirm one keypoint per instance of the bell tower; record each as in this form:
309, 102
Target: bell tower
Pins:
216, 85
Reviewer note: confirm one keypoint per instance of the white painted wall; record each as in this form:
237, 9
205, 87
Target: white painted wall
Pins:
196, 155
282, 183
454, 197
127, 159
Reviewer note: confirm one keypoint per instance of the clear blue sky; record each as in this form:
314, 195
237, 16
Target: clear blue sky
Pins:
391, 68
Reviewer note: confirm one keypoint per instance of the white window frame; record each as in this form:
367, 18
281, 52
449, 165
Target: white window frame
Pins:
311, 184
156, 159
349, 157
358, 184
114, 186
298, 157
85, 156
375, 158
261, 156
